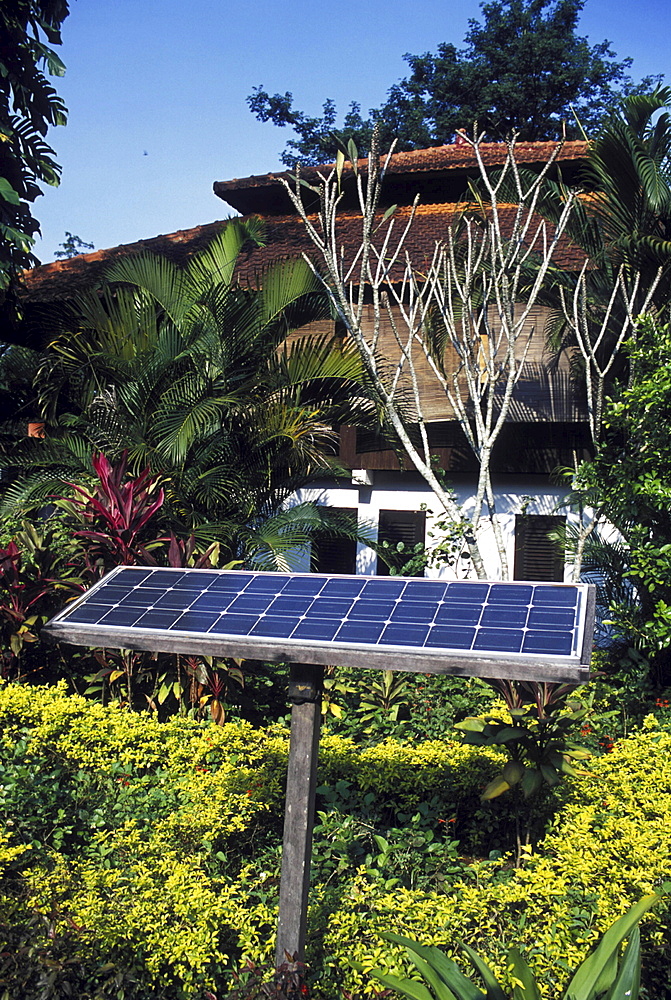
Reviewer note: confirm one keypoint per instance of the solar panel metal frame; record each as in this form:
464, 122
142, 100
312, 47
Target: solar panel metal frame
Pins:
418, 659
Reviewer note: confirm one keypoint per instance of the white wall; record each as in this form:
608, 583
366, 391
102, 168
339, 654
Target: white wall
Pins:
512, 495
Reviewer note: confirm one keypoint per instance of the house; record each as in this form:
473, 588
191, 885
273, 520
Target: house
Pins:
546, 428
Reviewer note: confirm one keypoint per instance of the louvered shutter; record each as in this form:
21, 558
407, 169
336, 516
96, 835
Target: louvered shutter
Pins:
537, 556
337, 555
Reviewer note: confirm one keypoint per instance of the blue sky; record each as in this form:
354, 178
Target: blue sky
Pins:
156, 93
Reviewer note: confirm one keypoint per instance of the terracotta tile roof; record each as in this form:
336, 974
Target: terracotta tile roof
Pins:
285, 238
457, 157
64, 278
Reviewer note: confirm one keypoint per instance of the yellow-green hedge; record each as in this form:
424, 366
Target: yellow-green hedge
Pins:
153, 894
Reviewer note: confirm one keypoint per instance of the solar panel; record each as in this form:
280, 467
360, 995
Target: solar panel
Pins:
432, 626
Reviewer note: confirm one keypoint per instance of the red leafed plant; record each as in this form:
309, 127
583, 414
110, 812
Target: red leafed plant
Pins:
31, 574
117, 511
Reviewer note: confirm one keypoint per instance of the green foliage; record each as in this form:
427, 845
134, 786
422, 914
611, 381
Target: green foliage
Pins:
609, 844
194, 377
28, 106
266, 982
629, 476
604, 974
539, 740
141, 859
152, 849
72, 246
523, 67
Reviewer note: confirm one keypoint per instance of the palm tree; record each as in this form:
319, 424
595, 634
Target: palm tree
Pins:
629, 172
197, 378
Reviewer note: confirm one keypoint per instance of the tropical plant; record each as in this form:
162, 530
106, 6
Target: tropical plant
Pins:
32, 570
604, 975
537, 736
115, 513
28, 106
193, 376
628, 479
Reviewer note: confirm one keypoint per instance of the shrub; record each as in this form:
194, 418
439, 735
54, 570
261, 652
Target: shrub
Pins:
152, 849
610, 844
141, 858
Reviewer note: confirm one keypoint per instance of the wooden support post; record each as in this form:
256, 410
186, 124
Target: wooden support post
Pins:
305, 692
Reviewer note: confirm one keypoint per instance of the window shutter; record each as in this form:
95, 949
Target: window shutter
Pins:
394, 526
336, 555
537, 557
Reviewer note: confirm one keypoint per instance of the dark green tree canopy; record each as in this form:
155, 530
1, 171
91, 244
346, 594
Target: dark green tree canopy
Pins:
28, 106
522, 68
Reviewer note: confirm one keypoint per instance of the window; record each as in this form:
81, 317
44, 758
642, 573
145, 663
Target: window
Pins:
406, 526
337, 555
537, 555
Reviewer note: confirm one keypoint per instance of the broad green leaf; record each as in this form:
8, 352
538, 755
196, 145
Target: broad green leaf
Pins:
430, 975
446, 968
406, 987
509, 734
628, 982
8, 193
494, 991
528, 990
470, 725
513, 772
495, 788
585, 979
531, 781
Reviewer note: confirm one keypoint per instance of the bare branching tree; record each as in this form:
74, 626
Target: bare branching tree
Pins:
601, 326
463, 322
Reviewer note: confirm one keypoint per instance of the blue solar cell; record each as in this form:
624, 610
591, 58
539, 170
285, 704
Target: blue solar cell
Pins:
143, 597
174, 599
250, 604
471, 593
554, 618
317, 628
499, 640
557, 596
383, 589
111, 594
416, 591
265, 585
372, 610
304, 585
550, 643
211, 601
233, 583
450, 638
343, 588
413, 611
234, 624
156, 619
502, 593
196, 621
88, 614
360, 631
121, 616
278, 628
404, 635
505, 617
162, 578
289, 606
196, 581
130, 576
329, 607
458, 614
